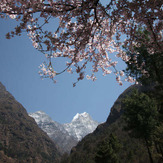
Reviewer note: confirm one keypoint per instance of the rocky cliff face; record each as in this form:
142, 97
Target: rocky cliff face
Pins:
117, 109
21, 140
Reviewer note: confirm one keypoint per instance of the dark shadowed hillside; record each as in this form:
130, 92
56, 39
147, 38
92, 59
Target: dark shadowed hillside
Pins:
130, 151
21, 140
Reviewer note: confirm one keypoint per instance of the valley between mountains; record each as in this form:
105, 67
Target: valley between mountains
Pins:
36, 138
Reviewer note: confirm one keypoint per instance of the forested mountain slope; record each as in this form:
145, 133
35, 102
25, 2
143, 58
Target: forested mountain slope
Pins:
21, 140
130, 150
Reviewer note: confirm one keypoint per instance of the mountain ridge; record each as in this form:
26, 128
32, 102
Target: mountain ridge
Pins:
66, 135
55, 131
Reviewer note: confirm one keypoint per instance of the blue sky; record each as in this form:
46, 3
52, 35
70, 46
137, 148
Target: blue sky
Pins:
19, 63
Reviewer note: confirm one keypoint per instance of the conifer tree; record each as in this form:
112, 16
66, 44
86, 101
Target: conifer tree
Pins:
141, 117
107, 150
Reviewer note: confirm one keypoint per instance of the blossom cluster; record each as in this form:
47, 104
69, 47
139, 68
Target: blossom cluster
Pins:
47, 71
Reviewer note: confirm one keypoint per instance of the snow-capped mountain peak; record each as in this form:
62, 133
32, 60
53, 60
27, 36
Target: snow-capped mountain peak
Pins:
66, 135
41, 117
55, 130
79, 116
81, 125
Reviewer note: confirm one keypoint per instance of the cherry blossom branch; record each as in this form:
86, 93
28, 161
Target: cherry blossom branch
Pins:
88, 31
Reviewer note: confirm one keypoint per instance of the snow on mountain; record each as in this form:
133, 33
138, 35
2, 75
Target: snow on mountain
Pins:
81, 125
44, 122
66, 135
55, 131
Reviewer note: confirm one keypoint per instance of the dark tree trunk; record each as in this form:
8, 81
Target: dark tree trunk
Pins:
149, 152
156, 146
161, 150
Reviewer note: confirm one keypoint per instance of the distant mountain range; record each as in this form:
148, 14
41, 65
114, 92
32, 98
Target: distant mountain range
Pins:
66, 135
